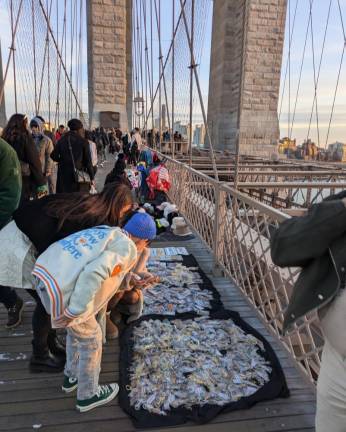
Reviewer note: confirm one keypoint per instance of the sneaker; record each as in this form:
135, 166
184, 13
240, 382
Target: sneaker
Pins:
15, 314
69, 384
105, 394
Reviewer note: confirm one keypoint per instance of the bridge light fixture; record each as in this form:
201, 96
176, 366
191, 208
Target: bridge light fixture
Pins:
139, 105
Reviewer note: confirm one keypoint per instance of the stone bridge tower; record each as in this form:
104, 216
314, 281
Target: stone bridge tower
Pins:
110, 62
245, 66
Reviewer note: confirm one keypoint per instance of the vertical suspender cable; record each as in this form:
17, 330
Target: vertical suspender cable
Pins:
173, 70
65, 87
13, 47
56, 116
152, 72
34, 52
160, 72
167, 57
48, 69
192, 66
2, 89
144, 13
59, 54
286, 66
216, 175
339, 72
289, 72
141, 61
46, 49
79, 54
135, 62
144, 8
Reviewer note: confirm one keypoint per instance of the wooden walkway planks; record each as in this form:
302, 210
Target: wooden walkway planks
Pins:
36, 399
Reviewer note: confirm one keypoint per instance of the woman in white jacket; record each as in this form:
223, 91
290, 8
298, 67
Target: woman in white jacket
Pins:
76, 277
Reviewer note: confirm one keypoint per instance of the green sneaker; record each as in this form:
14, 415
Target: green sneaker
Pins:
105, 394
69, 384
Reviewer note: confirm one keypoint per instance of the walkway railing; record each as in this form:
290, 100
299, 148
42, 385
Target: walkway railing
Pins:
236, 228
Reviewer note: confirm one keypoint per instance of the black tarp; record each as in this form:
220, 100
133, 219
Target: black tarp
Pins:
276, 387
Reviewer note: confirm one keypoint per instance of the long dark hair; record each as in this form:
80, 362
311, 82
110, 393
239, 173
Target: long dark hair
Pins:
103, 208
16, 129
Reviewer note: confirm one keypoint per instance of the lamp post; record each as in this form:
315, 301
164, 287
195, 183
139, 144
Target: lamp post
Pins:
139, 106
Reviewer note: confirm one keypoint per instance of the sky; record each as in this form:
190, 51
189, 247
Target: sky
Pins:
293, 104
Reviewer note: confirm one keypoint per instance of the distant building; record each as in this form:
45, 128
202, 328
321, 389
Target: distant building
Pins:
199, 135
337, 151
287, 146
183, 129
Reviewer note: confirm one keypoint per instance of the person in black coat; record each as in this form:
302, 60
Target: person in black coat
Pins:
66, 181
118, 174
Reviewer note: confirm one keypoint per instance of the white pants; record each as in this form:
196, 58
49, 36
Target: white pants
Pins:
331, 392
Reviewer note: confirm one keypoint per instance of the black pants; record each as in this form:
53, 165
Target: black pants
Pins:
8, 296
43, 333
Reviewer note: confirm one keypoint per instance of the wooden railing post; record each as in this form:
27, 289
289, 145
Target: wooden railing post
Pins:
182, 188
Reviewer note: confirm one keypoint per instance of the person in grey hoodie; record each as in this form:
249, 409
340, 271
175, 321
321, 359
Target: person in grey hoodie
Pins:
44, 147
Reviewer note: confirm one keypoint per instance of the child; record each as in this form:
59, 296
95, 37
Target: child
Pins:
77, 276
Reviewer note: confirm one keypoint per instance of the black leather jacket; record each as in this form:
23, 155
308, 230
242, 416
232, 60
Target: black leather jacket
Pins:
317, 243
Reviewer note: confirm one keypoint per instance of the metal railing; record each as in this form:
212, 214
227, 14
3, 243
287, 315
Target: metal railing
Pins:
236, 229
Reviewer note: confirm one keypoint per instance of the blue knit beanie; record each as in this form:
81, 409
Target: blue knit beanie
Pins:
142, 226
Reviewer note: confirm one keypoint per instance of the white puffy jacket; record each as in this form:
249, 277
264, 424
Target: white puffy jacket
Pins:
80, 273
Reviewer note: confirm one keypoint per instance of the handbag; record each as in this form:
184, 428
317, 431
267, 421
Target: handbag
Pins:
79, 175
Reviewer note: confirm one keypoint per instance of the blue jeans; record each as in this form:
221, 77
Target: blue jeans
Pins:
83, 356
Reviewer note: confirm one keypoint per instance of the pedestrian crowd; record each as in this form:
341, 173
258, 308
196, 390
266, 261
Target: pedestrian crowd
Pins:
80, 253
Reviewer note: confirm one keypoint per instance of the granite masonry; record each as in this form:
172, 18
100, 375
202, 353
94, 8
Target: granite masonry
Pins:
247, 44
109, 60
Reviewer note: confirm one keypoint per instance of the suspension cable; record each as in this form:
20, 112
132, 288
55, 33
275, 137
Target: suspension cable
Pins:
2, 89
59, 54
339, 72
199, 92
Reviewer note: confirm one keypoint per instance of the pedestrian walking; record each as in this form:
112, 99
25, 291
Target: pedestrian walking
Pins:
72, 152
45, 147
93, 150
16, 134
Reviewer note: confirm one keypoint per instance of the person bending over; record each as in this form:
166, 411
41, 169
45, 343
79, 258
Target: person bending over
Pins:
76, 277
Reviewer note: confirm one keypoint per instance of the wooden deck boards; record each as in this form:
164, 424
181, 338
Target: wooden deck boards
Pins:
36, 399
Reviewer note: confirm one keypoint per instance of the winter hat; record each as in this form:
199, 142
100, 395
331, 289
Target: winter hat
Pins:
75, 124
37, 122
142, 226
